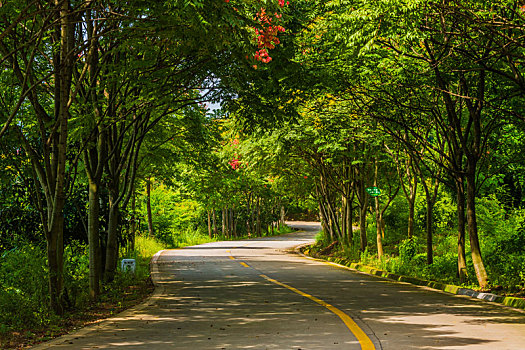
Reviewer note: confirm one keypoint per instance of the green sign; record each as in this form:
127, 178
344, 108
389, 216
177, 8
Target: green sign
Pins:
373, 191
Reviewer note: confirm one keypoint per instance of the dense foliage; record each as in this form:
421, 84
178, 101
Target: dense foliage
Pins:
399, 124
97, 98
420, 102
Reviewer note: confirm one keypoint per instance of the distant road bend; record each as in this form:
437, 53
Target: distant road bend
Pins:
253, 294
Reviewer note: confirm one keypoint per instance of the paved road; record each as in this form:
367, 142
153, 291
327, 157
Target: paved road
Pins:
253, 295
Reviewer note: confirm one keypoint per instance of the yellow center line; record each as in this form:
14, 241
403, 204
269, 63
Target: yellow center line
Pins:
364, 340
244, 264
231, 257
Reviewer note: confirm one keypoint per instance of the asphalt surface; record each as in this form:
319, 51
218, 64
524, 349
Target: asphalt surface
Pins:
254, 294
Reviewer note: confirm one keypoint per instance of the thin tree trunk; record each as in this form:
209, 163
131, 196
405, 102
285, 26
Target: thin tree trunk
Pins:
324, 220
215, 231
429, 224
259, 233
362, 224
234, 223
411, 214
94, 241
133, 222
344, 228
379, 235
112, 243
349, 223
224, 222
148, 207
462, 261
209, 223
378, 229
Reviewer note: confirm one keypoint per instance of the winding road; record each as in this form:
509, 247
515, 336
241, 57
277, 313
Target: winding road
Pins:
256, 294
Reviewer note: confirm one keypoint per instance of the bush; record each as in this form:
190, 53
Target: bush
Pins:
24, 295
502, 236
76, 274
408, 250
24, 290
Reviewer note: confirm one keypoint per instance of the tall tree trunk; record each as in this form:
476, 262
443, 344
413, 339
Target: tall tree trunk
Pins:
94, 161
234, 223
230, 222
215, 231
429, 227
224, 222
94, 241
112, 243
362, 224
323, 219
344, 227
462, 261
475, 249
133, 222
259, 231
412, 192
148, 207
334, 222
379, 235
411, 214
349, 222
55, 288
209, 223
63, 75
429, 224
379, 218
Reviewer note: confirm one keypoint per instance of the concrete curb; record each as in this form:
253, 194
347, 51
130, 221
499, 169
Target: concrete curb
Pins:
517, 303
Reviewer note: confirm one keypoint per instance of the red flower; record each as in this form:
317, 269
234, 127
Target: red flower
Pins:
235, 163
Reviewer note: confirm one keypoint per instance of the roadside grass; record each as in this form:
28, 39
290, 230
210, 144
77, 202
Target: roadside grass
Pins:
405, 258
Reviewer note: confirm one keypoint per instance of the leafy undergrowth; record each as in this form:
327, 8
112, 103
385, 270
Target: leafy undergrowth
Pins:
93, 313
25, 317
412, 264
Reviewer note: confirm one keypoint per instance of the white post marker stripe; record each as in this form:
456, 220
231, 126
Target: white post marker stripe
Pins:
364, 340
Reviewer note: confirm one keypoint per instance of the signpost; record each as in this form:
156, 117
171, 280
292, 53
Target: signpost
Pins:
128, 265
373, 191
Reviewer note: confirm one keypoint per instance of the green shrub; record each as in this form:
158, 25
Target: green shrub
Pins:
76, 272
408, 250
322, 239
190, 237
24, 290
